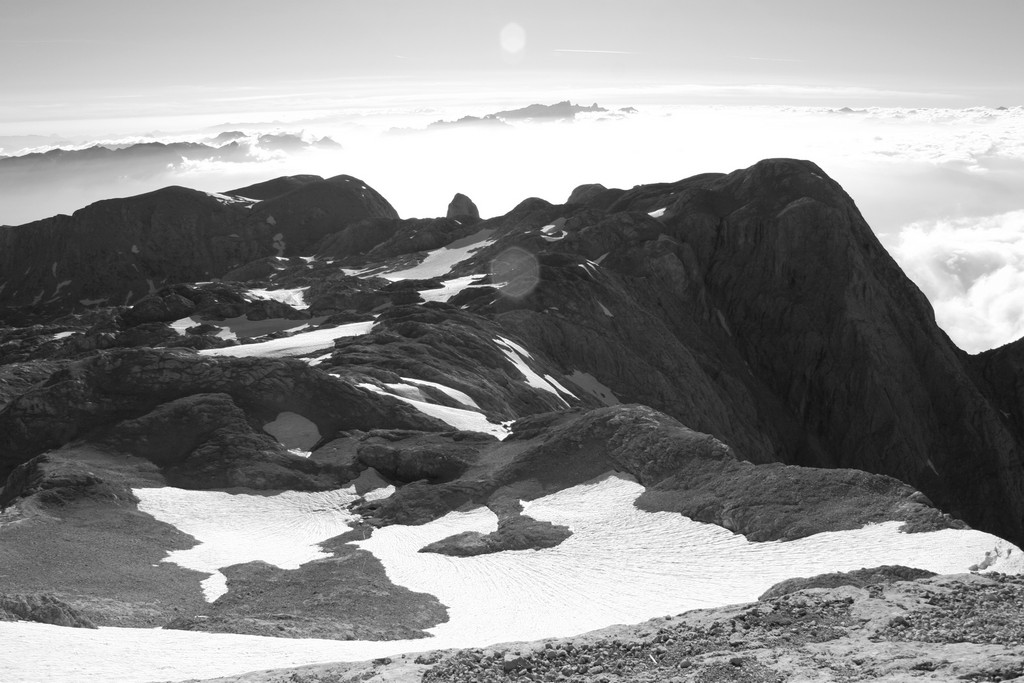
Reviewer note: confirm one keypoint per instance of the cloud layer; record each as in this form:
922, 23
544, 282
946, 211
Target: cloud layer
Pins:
972, 270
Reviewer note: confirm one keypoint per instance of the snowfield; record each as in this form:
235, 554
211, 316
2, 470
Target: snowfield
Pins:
621, 565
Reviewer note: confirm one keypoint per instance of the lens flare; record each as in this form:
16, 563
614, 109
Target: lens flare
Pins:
515, 272
513, 38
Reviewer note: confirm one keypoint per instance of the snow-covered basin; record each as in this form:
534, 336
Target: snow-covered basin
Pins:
620, 565
296, 345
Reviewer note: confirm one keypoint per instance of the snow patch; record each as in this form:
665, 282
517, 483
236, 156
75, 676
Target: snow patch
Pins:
553, 232
296, 345
465, 420
517, 355
293, 431
406, 391
463, 398
135, 249
449, 288
296, 298
182, 324
243, 328
440, 261
658, 214
228, 199
590, 268
604, 309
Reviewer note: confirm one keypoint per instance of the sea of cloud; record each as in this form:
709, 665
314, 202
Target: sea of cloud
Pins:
942, 188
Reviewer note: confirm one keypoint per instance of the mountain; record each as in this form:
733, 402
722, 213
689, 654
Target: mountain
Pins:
229, 146
34, 185
285, 411
560, 111
122, 250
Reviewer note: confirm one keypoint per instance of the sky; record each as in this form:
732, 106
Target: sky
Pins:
898, 100
113, 59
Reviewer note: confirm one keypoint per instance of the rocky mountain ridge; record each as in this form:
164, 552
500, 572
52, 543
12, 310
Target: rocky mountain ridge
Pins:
739, 347
755, 306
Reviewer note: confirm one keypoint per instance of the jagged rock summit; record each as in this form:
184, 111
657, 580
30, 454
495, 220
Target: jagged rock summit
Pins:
635, 380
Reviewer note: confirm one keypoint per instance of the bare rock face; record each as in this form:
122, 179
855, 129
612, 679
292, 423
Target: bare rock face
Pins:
833, 328
462, 207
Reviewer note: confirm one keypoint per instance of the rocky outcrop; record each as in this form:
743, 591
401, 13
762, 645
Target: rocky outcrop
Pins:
683, 471
44, 609
302, 217
517, 532
462, 208
212, 301
419, 457
860, 578
114, 386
